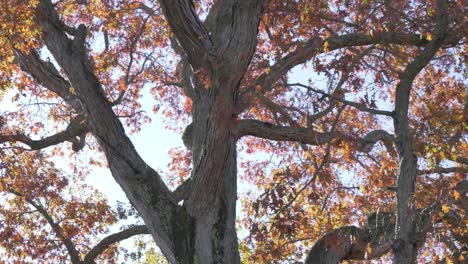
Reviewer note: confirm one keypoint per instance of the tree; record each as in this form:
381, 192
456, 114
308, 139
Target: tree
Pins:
226, 66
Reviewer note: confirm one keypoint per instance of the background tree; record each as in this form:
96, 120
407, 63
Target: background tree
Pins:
370, 164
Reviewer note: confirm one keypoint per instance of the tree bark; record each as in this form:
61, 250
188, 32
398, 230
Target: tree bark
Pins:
219, 56
214, 232
211, 199
405, 250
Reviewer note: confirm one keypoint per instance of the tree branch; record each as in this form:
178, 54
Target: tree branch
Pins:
48, 76
75, 129
72, 251
235, 33
307, 50
128, 79
461, 160
346, 243
376, 237
248, 127
346, 102
444, 170
190, 31
181, 192
114, 238
317, 170
404, 250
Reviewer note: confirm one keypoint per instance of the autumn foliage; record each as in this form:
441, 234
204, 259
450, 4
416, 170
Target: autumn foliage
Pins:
343, 123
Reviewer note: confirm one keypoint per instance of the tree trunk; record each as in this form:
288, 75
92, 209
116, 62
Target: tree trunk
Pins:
214, 232
211, 201
404, 249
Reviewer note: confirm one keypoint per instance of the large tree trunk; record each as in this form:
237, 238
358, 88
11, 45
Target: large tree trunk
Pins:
211, 201
214, 234
219, 53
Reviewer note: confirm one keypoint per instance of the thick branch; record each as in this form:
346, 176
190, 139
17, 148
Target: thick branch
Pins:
190, 32
266, 130
376, 237
181, 192
235, 33
349, 243
461, 160
308, 135
114, 238
77, 128
48, 76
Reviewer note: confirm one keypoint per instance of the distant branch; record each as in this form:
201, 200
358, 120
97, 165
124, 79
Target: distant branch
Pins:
346, 102
318, 169
324, 204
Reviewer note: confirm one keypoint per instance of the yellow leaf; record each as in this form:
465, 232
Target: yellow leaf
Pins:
445, 208
258, 88
267, 70
448, 261
456, 195
362, 188
325, 46
429, 37
72, 90
10, 59
317, 228
369, 249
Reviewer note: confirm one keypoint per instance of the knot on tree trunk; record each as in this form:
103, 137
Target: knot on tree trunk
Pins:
187, 136
398, 245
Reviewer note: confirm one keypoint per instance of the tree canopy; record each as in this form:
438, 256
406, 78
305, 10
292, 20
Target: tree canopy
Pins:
316, 131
